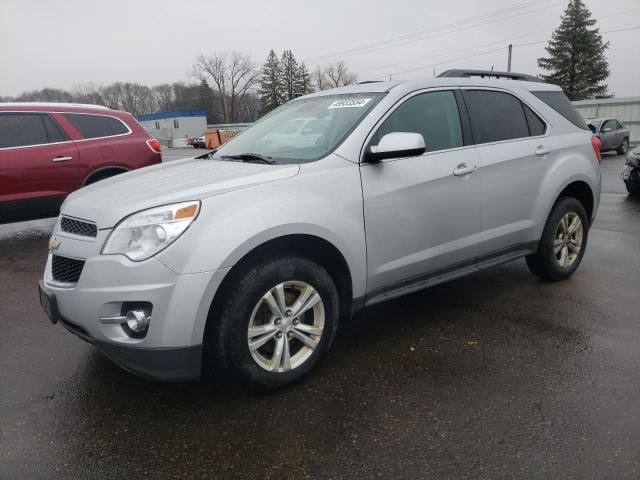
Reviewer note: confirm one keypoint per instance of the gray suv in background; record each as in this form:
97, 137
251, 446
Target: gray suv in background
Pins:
245, 260
612, 134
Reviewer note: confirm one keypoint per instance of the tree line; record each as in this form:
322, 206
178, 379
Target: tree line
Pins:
228, 86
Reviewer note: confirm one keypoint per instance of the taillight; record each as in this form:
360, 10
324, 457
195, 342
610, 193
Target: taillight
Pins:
154, 145
596, 143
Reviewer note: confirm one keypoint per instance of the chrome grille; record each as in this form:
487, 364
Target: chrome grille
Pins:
78, 227
66, 270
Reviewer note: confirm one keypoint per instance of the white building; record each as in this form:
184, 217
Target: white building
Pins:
173, 128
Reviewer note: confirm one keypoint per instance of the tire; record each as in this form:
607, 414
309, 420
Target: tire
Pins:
623, 148
550, 263
632, 188
102, 176
631, 178
244, 305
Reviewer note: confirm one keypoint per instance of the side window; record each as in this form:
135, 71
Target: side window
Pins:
176, 124
54, 132
495, 116
96, 126
610, 124
536, 125
432, 114
618, 126
23, 129
157, 125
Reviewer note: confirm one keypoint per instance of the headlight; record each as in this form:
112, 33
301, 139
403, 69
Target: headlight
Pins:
143, 234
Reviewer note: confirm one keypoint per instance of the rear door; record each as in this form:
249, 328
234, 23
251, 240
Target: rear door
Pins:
38, 166
423, 213
514, 156
105, 141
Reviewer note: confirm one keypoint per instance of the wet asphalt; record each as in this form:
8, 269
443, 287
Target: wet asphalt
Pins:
497, 375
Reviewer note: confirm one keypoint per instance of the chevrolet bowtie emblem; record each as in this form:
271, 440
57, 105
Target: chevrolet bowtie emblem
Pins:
54, 243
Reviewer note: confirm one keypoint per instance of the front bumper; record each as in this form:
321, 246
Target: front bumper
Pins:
172, 347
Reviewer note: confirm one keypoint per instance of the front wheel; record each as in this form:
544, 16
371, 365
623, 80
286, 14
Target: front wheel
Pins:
563, 241
631, 178
278, 319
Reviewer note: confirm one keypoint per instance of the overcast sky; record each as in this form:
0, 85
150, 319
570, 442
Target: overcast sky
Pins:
56, 43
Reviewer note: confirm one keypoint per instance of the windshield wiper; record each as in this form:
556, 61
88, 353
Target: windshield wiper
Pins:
251, 157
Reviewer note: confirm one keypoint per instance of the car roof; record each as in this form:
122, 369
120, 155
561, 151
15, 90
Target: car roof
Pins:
53, 106
410, 85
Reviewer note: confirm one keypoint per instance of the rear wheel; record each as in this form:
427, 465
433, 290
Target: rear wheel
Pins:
278, 319
624, 147
102, 176
563, 241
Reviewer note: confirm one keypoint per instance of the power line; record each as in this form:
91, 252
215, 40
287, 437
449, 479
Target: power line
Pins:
605, 31
497, 50
509, 40
411, 37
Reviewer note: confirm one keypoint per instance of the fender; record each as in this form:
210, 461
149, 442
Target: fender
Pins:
232, 224
569, 168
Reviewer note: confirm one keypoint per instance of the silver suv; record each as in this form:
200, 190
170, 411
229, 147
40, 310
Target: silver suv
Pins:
244, 260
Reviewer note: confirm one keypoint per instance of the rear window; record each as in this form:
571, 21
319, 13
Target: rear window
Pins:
561, 104
96, 126
536, 125
495, 116
26, 129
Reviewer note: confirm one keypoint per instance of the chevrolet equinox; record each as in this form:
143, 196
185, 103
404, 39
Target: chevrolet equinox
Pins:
245, 259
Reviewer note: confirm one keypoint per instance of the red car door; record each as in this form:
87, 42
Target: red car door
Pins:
38, 166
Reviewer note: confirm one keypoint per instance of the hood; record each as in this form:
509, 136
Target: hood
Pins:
108, 201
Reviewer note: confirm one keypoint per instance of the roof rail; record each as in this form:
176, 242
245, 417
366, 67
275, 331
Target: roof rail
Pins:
489, 74
53, 104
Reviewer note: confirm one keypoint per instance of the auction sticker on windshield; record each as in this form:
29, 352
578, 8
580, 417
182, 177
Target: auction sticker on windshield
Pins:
350, 103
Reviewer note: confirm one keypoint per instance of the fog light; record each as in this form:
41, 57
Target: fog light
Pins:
137, 320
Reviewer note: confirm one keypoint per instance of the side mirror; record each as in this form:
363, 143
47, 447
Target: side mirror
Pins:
395, 145
592, 128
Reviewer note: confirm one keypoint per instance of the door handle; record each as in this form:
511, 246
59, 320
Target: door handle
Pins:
541, 151
464, 169
62, 159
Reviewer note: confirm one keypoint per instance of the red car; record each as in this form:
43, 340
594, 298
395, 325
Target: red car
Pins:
48, 150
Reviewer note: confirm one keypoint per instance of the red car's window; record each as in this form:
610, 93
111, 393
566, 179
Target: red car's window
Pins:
26, 129
97, 126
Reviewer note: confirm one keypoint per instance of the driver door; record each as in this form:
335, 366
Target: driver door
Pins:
422, 213
608, 135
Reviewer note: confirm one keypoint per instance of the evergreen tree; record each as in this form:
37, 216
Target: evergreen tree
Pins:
302, 84
272, 93
289, 74
576, 57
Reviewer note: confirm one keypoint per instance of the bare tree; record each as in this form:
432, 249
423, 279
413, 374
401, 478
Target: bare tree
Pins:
164, 96
332, 75
112, 95
234, 76
319, 79
338, 74
86, 93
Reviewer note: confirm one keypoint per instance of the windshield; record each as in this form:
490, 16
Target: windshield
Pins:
303, 130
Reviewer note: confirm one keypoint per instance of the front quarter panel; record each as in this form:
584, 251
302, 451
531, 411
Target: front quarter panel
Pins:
324, 200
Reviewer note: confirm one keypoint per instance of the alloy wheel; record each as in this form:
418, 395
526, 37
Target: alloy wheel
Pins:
568, 239
625, 146
286, 326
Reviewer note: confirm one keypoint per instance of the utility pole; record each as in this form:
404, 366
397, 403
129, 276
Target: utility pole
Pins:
509, 58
